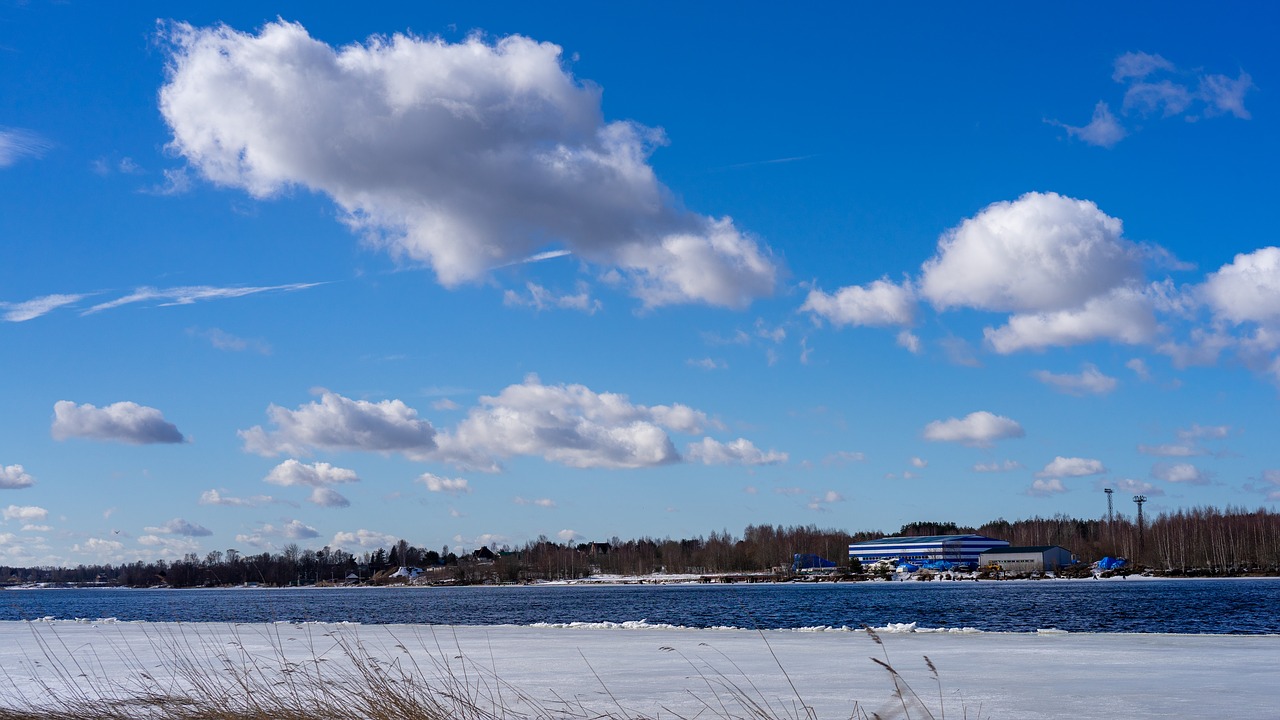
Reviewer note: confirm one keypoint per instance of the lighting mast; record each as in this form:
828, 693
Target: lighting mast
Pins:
1138, 500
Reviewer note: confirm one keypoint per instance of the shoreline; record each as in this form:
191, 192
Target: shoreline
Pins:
664, 581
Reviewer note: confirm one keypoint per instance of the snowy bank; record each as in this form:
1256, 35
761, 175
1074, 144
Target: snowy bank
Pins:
649, 668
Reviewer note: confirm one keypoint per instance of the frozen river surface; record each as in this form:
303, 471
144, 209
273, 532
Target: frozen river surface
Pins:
658, 671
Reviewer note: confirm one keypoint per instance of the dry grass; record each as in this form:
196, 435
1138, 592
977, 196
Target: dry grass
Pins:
342, 677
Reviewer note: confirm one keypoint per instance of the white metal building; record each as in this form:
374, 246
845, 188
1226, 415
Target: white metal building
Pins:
1034, 558
960, 549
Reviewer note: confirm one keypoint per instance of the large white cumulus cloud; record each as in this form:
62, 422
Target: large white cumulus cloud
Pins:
462, 156
1042, 252
568, 424
340, 423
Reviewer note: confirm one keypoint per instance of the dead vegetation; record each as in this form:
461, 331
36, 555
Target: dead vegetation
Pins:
343, 677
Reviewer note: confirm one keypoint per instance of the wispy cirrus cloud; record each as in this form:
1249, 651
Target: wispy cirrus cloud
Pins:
36, 307
16, 143
188, 295
1156, 88
25, 310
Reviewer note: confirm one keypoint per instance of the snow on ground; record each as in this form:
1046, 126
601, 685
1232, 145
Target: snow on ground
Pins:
654, 669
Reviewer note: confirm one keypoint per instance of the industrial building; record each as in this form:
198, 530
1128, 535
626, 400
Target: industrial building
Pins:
957, 549
1035, 558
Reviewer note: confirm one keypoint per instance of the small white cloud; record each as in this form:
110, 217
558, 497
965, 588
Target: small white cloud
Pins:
1137, 487
1139, 368
910, 341
539, 502
266, 535
568, 535
328, 497
1171, 450
98, 547
1138, 65
445, 404
36, 528
362, 540
451, 486
879, 304
1181, 473
980, 429
1089, 381
540, 298
919, 462
1045, 488
995, 467
125, 422
178, 526
13, 477
737, 452
1062, 467
789, 491
1103, 130
706, 364
215, 497
25, 513
291, 473
297, 530
1224, 95
223, 340
36, 307
822, 502
1204, 432
959, 352
844, 457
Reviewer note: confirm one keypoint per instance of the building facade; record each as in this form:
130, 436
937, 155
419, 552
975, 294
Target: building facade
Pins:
958, 549
1035, 558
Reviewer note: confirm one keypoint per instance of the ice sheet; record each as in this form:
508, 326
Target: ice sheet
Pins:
656, 670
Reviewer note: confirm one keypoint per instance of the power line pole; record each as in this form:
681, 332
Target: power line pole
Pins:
1110, 511
1138, 500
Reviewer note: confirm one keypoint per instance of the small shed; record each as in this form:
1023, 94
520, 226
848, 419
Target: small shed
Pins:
1033, 558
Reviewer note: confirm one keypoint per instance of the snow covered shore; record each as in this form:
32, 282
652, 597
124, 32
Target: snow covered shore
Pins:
648, 668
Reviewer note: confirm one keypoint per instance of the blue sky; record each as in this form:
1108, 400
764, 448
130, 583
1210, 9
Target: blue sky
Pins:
474, 275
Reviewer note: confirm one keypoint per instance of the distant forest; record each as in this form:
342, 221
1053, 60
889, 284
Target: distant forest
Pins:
1200, 541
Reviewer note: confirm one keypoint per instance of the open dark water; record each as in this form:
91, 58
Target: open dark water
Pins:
1155, 606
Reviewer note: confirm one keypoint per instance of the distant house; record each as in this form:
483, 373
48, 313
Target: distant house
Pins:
958, 549
1033, 558
406, 572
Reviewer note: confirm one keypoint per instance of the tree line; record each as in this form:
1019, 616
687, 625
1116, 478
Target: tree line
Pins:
1201, 540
